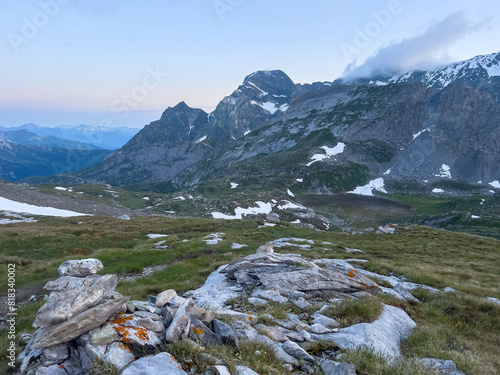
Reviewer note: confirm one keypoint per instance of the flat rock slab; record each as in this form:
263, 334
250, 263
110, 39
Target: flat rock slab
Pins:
162, 363
383, 335
80, 268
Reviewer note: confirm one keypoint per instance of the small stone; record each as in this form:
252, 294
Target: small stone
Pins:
272, 295
103, 336
80, 268
221, 370
205, 315
164, 297
301, 303
325, 320
55, 355
225, 333
318, 329
441, 366
242, 370
152, 300
25, 338
301, 327
201, 333
119, 355
130, 306
306, 336
266, 249
257, 301
337, 368
405, 293
288, 367
296, 351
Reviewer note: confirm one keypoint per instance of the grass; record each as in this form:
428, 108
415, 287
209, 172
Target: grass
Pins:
460, 326
354, 311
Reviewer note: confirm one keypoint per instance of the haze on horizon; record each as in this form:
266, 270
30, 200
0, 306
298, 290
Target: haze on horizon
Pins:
121, 63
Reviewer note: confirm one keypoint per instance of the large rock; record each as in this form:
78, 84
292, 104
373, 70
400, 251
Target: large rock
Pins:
119, 355
79, 324
130, 331
164, 297
70, 296
179, 328
201, 333
383, 335
225, 333
296, 351
242, 370
337, 368
162, 363
80, 268
103, 336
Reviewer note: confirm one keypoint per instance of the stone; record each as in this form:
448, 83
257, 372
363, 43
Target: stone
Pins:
131, 332
119, 355
130, 307
51, 370
73, 365
200, 333
79, 324
152, 300
301, 303
164, 297
405, 293
148, 315
162, 363
80, 268
496, 301
319, 329
296, 351
257, 301
325, 320
221, 370
273, 217
225, 333
306, 369
271, 295
206, 316
55, 355
237, 316
272, 332
306, 336
449, 290
179, 328
175, 302
149, 324
143, 306
242, 370
383, 335
25, 338
337, 368
70, 296
441, 366
103, 336
266, 249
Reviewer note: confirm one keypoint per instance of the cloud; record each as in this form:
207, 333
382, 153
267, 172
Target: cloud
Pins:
418, 52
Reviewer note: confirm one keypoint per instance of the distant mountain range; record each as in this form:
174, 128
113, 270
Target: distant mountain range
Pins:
423, 128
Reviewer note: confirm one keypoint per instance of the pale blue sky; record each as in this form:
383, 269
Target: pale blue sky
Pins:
123, 62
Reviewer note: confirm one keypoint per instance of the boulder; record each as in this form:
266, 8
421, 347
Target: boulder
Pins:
80, 268
179, 328
325, 320
79, 324
206, 316
70, 296
296, 351
337, 368
103, 336
221, 370
119, 355
164, 297
271, 295
441, 366
55, 355
319, 329
200, 333
130, 331
225, 333
162, 363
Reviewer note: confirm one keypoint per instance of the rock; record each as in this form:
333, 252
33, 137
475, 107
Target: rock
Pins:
273, 217
441, 366
306, 336
28, 356
383, 335
242, 370
449, 290
206, 316
130, 307
496, 301
25, 338
103, 336
179, 328
148, 315
221, 370
119, 355
266, 249
301, 303
81, 323
306, 369
143, 306
152, 300
175, 302
55, 355
151, 325
319, 329
225, 333
337, 368
199, 332
70, 296
51, 370
164, 297
238, 316
296, 351
325, 320
73, 365
123, 217
162, 363
272, 332
80, 268
257, 301
405, 293
131, 332
271, 295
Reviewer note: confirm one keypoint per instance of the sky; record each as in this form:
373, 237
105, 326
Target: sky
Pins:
123, 62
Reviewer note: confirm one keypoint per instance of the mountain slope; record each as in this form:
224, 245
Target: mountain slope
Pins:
25, 137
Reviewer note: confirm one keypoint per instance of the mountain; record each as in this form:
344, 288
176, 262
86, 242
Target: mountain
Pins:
18, 161
100, 136
428, 128
25, 137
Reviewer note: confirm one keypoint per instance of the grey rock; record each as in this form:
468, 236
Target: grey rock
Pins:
296, 351
306, 336
179, 328
301, 303
242, 370
325, 320
337, 368
148, 315
103, 336
319, 329
291, 335
25, 338
383, 335
175, 302
162, 363
266, 249
164, 297
81, 323
123, 217
237, 316
405, 293
199, 332
273, 217
449, 290
152, 300
272, 332
441, 366
73, 365
205, 315
152, 325
257, 301
28, 356
271, 295
221, 370
131, 332
80, 268
119, 355
56, 354
51, 370
130, 306
70, 296
143, 306
306, 369
225, 333
494, 300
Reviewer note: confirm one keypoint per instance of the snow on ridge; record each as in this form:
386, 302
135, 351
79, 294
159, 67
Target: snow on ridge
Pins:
420, 132
288, 191
262, 208
444, 171
247, 132
330, 151
377, 184
234, 185
388, 171
200, 139
263, 93
10, 205
437, 190
495, 184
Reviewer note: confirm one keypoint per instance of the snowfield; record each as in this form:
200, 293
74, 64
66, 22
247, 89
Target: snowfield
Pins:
9, 205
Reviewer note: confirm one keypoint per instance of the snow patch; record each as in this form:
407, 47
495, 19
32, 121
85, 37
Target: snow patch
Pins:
10, 205
247, 132
495, 184
290, 206
444, 171
236, 246
290, 193
234, 185
329, 152
156, 235
437, 190
377, 184
420, 132
262, 208
213, 239
388, 171
475, 217
200, 139
299, 179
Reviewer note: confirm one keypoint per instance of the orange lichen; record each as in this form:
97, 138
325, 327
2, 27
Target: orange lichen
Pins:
198, 331
124, 347
351, 274
122, 319
250, 318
